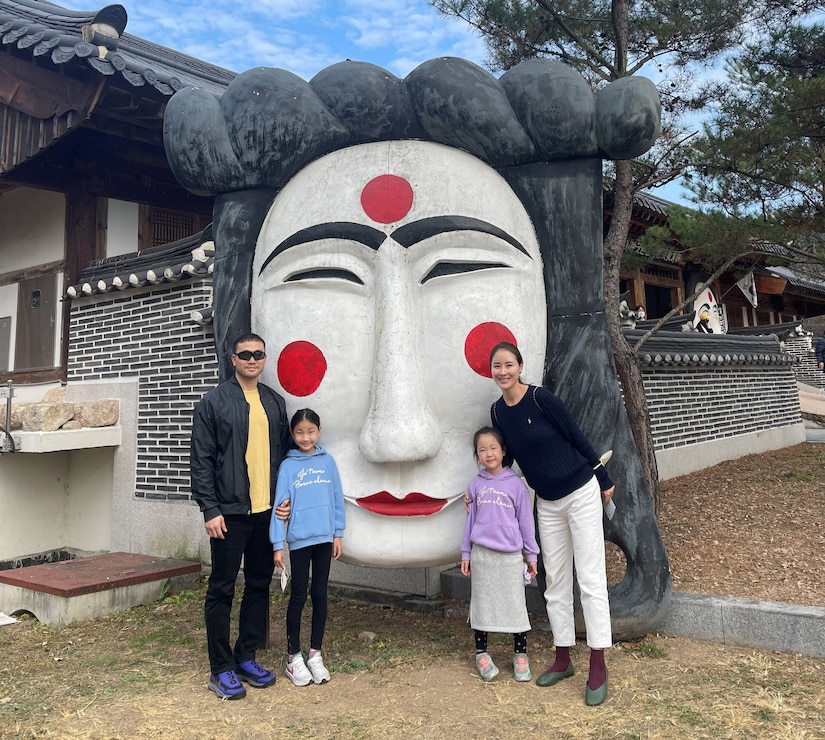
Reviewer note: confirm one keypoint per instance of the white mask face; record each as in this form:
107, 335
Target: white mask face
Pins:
383, 275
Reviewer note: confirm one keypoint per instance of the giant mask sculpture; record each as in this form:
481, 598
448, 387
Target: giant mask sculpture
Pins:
383, 235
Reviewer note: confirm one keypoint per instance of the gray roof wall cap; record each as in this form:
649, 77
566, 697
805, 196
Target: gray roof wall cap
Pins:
695, 348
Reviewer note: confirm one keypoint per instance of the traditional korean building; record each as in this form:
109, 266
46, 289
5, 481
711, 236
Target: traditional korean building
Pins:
83, 173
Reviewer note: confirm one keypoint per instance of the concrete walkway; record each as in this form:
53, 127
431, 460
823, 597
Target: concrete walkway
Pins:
812, 404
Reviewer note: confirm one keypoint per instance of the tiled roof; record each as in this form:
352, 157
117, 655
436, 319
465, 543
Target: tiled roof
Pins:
48, 29
675, 349
167, 263
784, 330
806, 284
652, 202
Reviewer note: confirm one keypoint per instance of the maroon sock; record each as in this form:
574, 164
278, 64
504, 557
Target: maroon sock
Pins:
598, 670
562, 661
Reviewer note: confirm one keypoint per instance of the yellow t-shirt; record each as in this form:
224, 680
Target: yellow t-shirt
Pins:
257, 453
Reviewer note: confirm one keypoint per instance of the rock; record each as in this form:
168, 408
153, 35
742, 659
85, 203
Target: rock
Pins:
46, 417
103, 412
73, 424
54, 395
17, 416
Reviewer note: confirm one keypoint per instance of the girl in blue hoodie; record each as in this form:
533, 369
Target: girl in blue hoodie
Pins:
308, 477
499, 536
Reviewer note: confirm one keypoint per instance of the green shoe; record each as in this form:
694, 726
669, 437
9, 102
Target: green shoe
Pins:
597, 696
550, 678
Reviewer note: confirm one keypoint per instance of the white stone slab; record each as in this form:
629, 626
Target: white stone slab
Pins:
74, 439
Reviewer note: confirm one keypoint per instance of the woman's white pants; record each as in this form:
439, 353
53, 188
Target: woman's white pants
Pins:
571, 530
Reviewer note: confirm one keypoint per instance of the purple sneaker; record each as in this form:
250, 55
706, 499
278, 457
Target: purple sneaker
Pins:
226, 685
254, 674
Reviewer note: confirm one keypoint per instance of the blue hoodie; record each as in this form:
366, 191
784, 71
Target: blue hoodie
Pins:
312, 484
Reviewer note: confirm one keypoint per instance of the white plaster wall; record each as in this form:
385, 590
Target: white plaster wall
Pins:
59, 287
33, 503
31, 393
137, 525
8, 307
676, 461
32, 228
122, 228
89, 499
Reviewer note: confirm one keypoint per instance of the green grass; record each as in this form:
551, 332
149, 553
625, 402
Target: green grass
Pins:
647, 649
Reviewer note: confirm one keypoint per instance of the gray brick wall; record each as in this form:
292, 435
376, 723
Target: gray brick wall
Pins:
806, 371
706, 402
148, 333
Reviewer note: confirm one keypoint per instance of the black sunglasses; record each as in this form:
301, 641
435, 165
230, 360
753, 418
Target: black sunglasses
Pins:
247, 354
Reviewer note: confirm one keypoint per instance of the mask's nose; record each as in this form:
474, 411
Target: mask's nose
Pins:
399, 425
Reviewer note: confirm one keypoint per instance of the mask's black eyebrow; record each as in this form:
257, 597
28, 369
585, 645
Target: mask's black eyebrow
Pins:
417, 231
365, 235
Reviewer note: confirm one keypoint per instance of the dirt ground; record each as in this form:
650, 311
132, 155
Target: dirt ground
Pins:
750, 528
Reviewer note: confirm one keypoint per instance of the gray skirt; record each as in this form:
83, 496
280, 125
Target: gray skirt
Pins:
497, 603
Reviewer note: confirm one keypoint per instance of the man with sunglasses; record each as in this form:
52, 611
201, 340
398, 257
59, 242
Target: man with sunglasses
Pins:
240, 434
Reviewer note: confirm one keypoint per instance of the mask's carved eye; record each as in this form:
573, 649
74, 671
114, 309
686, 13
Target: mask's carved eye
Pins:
330, 273
444, 268
301, 368
480, 341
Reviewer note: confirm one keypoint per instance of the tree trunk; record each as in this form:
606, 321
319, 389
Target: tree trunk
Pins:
626, 359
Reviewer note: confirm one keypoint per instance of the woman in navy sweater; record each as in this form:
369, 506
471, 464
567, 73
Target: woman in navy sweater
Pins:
570, 484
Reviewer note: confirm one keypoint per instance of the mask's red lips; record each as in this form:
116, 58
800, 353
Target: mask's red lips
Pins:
413, 504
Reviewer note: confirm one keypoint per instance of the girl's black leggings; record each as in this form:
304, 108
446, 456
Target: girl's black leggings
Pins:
519, 642
319, 558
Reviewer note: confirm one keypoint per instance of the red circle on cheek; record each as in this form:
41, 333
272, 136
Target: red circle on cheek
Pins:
387, 198
480, 341
301, 368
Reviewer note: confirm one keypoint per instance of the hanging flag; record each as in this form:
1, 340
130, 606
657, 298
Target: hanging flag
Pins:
748, 286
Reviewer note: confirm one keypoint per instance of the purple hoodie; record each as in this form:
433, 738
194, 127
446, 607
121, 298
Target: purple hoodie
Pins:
501, 515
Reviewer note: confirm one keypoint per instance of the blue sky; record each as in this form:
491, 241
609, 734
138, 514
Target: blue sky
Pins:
302, 36
305, 36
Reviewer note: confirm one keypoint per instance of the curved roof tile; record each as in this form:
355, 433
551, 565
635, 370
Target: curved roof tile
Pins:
71, 34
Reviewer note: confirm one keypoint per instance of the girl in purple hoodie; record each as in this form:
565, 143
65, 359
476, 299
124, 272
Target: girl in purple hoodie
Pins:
499, 537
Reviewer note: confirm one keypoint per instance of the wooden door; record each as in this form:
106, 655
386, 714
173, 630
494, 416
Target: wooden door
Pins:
36, 321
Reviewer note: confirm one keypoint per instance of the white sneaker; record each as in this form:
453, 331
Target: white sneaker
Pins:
316, 666
296, 671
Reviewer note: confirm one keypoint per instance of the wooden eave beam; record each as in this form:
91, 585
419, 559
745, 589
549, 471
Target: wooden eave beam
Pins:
43, 93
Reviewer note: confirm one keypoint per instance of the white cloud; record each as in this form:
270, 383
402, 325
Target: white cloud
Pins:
302, 36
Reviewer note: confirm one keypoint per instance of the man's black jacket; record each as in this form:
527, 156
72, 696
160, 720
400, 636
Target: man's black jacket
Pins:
217, 461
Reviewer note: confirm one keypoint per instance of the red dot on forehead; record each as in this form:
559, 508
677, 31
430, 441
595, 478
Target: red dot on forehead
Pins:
480, 341
301, 368
387, 198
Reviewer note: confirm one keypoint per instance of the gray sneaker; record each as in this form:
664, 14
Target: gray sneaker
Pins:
486, 668
521, 667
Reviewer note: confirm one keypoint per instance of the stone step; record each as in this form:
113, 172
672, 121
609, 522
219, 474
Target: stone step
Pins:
63, 592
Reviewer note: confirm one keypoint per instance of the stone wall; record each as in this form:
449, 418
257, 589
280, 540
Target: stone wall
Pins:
708, 402
718, 397
149, 334
806, 369
701, 389
711, 398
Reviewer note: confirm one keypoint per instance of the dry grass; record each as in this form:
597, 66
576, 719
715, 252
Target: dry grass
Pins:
142, 673
752, 527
